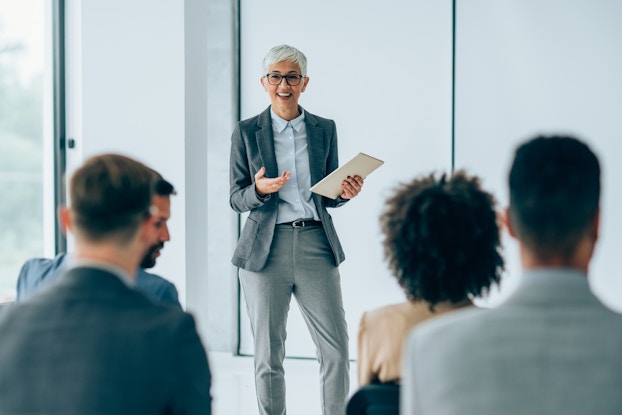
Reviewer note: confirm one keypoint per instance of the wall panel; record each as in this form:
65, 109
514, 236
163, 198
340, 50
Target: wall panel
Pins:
528, 67
383, 73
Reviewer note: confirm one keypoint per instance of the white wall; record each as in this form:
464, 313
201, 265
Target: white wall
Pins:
126, 94
527, 67
385, 78
139, 83
211, 65
522, 67
150, 79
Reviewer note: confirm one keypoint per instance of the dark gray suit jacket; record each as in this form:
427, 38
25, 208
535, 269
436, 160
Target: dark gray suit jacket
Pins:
552, 348
252, 146
89, 344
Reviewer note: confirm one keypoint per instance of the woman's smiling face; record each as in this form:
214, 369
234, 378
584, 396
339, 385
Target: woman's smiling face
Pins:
284, 97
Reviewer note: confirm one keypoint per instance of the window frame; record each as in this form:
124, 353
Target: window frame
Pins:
59, 111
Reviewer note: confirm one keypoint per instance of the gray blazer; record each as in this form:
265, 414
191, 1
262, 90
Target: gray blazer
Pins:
89, 344
252, 146
551, 349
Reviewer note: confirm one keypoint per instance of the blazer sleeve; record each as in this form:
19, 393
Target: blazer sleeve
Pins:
193, 377
242, 194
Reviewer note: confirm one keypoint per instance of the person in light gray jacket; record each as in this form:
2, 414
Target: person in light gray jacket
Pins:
552, 348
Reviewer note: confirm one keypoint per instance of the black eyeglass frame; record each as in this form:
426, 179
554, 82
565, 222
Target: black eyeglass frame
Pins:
288, 77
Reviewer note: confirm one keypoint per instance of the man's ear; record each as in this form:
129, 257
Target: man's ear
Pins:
148, 231
65, 219
507, 222
596, 225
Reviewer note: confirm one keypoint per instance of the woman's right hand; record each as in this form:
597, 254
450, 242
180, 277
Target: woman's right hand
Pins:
264, 185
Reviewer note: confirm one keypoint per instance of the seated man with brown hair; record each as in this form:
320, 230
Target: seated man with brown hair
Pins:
37, 273
90, 343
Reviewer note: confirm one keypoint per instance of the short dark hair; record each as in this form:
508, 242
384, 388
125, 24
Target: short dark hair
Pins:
554, 186
162, 187
110, 197
441, 238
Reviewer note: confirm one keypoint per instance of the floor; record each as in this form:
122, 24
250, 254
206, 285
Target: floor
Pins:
233, 388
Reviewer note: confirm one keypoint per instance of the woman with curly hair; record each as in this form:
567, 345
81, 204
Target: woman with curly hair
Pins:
441, 242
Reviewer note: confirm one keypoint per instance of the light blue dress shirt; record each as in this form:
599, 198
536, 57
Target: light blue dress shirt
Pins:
36, 273
292, 154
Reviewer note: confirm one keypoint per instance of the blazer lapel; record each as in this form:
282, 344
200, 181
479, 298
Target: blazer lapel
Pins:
265, 143
315, 145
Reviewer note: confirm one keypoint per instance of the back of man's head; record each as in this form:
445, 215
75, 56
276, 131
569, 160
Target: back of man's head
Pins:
110, 198
554, 187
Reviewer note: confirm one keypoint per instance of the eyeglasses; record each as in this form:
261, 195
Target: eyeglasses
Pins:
275, 79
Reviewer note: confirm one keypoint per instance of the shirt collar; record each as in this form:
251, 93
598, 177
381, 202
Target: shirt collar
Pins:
552, 276
279, 123
89, 263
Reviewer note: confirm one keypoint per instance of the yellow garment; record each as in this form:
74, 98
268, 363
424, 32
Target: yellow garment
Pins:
381, 336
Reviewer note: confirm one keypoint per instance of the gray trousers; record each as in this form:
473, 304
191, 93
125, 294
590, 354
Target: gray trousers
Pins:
300, 263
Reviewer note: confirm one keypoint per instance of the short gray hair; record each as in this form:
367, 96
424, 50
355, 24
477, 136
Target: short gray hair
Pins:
285, 53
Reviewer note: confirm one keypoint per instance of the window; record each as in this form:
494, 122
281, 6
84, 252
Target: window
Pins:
27, 213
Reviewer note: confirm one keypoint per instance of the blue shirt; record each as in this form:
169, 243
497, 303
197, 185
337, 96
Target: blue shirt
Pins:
39, 272
292, 154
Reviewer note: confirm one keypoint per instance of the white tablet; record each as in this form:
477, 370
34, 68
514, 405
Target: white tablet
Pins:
361, 165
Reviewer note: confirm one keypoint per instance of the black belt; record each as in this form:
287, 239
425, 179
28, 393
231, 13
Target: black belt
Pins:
302, 223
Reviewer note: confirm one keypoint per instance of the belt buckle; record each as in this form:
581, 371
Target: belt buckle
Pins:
298, 224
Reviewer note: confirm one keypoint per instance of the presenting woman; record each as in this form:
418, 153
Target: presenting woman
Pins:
288, 244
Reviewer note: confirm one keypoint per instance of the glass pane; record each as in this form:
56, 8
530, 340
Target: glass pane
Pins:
25, 112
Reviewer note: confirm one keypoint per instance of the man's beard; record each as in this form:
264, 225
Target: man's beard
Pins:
149, 259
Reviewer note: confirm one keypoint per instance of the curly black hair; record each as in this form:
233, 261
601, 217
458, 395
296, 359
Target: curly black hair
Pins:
441, 238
